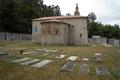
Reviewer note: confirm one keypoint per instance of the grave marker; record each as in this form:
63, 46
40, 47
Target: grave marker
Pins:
101, 71
29, 62
85, 59
69, 66
60, 57
84, 69
41, 64
28, 52
21, 60
72, 58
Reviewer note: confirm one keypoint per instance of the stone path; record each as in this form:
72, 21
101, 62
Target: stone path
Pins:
41, 64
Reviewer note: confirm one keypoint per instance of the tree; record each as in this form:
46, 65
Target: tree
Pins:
17, 15
92, 16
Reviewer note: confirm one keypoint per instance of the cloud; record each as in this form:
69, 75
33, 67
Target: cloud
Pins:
107, 11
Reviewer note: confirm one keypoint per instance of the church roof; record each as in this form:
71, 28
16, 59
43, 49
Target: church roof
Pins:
58, 17
54, 20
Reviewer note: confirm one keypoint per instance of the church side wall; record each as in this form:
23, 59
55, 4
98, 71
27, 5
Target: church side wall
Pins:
80, 30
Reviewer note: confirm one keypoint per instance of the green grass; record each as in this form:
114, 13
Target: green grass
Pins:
12, 71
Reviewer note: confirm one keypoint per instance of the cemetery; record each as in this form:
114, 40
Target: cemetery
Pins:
28, 61
39, 42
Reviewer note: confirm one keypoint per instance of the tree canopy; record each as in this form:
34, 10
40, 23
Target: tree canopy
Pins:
109, 31
16, 15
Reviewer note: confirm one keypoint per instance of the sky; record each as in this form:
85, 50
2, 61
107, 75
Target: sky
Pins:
107, 11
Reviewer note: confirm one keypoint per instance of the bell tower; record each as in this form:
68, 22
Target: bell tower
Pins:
77, 13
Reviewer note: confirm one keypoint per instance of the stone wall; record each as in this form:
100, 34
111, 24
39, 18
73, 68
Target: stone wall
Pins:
97, 40
115, 42
80, 30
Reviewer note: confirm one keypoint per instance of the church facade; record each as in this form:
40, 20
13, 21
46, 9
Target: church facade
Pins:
60, 30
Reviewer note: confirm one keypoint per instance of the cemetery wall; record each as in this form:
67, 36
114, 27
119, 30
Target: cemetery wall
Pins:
14, 37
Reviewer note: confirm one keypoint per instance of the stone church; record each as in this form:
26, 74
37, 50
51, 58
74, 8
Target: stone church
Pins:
60, 30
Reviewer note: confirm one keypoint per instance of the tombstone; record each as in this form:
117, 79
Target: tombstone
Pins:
42, 49
116, 72
60, 57
84, 69
72, 58
41, 64
45, 54
97, 57
3, 55
98, 54
69, 66
54, 51
30, 62
85, 59
28, 52
12, 58
21, 60
47, 50
101, 71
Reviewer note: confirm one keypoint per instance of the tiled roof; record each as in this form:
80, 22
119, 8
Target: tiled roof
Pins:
54, 20
59, 17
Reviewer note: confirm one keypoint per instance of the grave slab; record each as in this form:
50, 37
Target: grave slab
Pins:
97, 59
98, 54
44, 54
21, 60
60, 57
72, 58
54, 51
30, 62
12, 58
85, 59
28, 52
41, 64
102, 71
84, 69
69, 66
3, 54
47, 50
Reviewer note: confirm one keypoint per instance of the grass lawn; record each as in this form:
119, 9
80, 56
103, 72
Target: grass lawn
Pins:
13, 71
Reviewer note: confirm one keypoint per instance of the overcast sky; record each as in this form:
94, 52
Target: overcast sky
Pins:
107, 11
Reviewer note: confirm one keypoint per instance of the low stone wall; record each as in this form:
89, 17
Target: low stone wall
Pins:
15, 37
115, 42
97, 40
